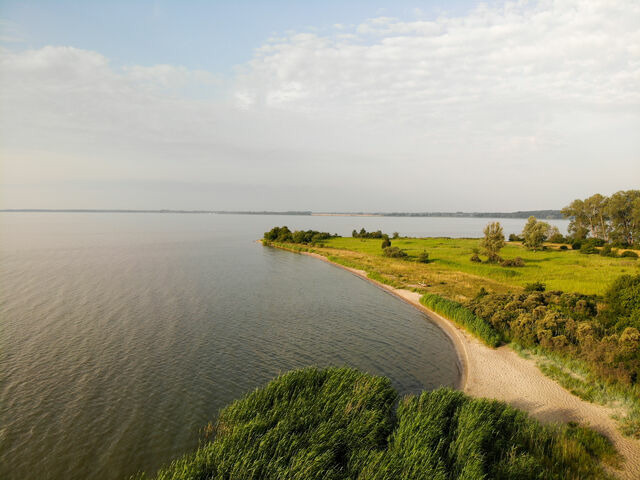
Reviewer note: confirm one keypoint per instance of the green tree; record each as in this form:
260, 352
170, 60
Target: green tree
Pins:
535, 233
624, 220
385, 241
493, 241
596, 209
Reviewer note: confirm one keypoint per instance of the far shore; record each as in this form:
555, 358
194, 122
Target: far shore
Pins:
502, 374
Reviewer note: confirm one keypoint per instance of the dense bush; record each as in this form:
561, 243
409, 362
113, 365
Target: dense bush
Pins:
607, 251
576, 245
463, 317
338, 423
564, 247
423, 257
629, 254
513, 262
393, 252
514, 238
475, 258
284, 235
606, 338
557, 238
588, 248
535, 287
385, 241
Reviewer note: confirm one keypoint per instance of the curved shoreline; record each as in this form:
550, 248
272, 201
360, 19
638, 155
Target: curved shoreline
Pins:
502, 374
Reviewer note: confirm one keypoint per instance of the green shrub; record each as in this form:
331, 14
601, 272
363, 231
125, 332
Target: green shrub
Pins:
385, 241
475, 258
513, 262
576, 245
340, 424
535, 287
628, 254
423, 257
607, 251
564, 247
393, 252
588, 249
463, 317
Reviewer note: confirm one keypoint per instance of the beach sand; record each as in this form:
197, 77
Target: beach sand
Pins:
501, 374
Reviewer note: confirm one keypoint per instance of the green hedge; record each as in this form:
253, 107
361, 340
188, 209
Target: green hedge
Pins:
463, 317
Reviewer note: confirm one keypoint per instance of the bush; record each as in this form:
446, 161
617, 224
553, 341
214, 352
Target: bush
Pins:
513, 262
628, 254
588, 248
607, 251
557, 238
386, 242
339, 424
423, 257
463, 317
396, 235
475, 258
514, 238
535, 287
564, 247
394, 252
576, 245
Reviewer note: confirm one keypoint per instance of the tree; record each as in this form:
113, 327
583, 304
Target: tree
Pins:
385, 241
493, 241
624, 224
579, 223
596, 209
423, 257
535, 233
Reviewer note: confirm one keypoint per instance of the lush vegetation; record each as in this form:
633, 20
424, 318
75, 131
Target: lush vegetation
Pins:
614, 219
284, 235
463, 317
364, 234
339, 423
450, 262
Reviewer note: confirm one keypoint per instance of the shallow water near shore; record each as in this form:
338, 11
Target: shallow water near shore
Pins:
122, 335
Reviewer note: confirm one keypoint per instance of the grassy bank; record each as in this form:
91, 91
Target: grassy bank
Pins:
339, 423
566, 270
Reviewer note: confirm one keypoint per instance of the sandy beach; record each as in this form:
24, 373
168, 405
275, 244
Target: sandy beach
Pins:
504, 375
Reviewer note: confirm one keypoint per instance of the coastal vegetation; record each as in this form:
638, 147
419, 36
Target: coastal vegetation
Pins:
577, 314
339, 423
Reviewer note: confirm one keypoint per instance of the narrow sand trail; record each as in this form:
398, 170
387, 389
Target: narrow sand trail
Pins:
502, 374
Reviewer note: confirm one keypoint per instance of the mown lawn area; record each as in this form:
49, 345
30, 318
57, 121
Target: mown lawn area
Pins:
451, 266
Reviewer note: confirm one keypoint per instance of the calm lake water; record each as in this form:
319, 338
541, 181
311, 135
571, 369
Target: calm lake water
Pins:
122, 335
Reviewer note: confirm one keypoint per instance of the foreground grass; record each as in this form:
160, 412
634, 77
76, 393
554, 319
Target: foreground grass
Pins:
338, 423
566, 270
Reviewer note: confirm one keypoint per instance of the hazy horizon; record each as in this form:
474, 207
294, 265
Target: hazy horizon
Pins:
322, 106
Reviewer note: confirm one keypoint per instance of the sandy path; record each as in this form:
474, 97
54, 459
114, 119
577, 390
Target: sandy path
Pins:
502, 374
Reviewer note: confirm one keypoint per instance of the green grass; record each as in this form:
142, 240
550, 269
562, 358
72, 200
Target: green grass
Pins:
566, 270
338, 423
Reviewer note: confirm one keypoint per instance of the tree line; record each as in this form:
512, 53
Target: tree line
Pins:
614, 219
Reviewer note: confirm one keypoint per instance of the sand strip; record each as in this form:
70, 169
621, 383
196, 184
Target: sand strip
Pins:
502, 374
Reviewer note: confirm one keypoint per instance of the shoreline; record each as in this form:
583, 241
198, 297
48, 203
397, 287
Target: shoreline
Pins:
502, 374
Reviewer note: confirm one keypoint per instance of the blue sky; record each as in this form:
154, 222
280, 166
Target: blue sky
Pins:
211, 35
325, 106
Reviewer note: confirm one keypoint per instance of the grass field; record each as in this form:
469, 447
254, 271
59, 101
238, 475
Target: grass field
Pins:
450, 266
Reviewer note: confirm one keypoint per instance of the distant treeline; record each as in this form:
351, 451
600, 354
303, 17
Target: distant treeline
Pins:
544, 214
284, 235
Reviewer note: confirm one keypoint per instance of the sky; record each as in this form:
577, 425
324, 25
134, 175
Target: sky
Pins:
318, 105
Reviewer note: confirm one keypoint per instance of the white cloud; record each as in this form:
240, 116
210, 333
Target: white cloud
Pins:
387, 115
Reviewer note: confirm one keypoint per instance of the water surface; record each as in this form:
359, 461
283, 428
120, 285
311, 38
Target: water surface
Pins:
122, 335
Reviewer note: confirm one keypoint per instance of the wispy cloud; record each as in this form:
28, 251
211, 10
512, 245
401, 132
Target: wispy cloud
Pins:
520, 97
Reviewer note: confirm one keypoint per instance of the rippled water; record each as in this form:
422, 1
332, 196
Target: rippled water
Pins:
121, 335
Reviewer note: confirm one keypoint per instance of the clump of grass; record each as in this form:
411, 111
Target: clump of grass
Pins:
463, 317
338, 423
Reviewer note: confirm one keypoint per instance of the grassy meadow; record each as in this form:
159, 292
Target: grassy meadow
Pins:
339, 423
452, 273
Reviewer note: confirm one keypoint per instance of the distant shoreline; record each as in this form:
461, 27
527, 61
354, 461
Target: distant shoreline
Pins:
540, 214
